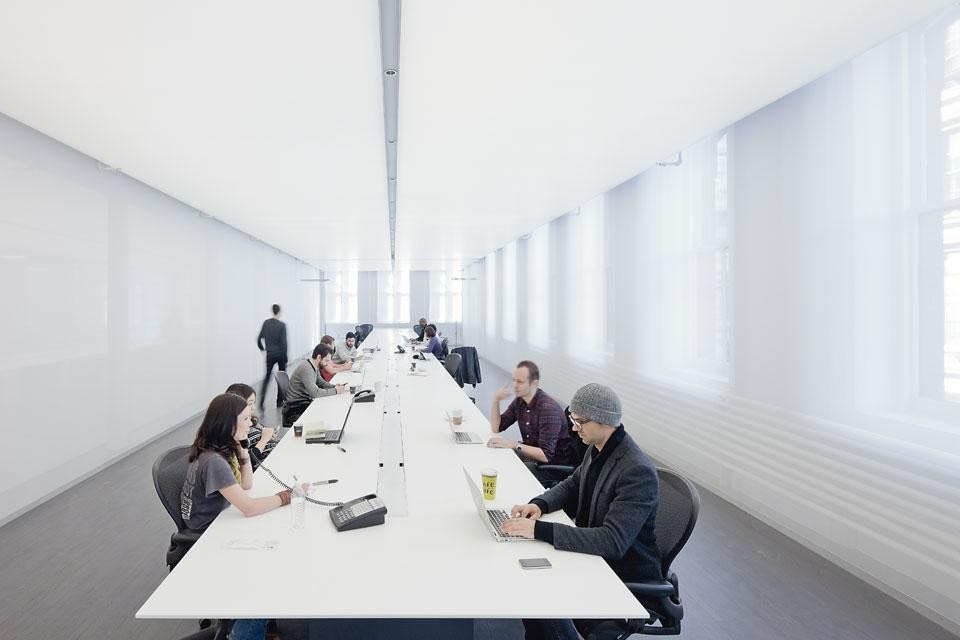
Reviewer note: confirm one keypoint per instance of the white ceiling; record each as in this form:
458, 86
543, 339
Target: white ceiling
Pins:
269, 116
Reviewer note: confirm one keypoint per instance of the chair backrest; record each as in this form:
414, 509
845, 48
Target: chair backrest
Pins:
169, 472
443, 345
676, 515
418, 330
452, 363
577, 445
283, 384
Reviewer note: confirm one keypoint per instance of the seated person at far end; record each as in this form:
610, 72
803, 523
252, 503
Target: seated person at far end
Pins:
346, 352
422, 324
543, 425
617, 492
306, 383
433, 345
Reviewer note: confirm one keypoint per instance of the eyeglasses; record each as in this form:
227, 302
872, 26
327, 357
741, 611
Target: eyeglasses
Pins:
579, 423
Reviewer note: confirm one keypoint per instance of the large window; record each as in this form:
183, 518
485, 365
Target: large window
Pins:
446, 296
586, 307
490, 288
510, 292
393, 296
712, 272
538, 287
341, 297
939, 218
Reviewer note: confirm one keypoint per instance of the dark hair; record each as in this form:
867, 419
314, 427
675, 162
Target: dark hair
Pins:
327, 340
241, 389
276, 309
322, 350
350, 334
218, 426
430, 331
533, 369
422, 321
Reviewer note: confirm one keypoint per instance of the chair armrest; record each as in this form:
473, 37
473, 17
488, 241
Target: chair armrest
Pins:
651, 589
186, 538
556, 468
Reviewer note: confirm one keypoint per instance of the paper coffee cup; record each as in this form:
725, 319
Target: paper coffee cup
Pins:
297, 430
489, 479
456, 416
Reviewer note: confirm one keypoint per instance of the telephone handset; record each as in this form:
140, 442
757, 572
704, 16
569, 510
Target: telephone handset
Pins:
401, 349
357, 514
366, 395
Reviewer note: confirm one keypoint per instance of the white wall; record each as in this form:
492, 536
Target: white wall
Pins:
124, 313
814, 423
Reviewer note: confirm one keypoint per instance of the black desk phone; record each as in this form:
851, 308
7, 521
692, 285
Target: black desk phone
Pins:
366, 395
401, 349
357, 514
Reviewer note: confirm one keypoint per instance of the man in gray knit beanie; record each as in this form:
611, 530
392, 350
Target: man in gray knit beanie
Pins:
616, 491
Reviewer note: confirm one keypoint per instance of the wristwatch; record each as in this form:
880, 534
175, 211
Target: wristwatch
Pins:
518, 447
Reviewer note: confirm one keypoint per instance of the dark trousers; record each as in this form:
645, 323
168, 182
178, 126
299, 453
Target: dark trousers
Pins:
279, 359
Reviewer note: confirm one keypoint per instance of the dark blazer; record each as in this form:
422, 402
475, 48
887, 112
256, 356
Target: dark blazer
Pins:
469, 370
623, 511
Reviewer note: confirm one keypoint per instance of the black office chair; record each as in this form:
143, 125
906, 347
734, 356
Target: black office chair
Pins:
418, 331
550, 475
169, 472
676, 517
446, 350
283, 386
451, 364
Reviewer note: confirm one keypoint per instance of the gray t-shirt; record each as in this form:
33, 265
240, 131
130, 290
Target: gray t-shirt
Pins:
201, 500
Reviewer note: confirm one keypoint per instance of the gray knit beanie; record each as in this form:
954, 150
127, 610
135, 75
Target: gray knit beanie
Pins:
597, 402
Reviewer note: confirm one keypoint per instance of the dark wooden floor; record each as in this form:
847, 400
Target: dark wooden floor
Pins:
80, 565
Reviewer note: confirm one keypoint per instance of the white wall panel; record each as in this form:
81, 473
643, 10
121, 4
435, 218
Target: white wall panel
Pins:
124, 312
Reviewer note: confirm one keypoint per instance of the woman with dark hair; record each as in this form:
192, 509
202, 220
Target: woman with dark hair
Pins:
219, 475
220, 472
433, 346
260, 436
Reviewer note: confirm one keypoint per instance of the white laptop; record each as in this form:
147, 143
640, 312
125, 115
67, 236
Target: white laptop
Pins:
492, 518
460, 436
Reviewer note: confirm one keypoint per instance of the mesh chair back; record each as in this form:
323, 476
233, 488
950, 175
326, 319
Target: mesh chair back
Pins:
443, 345
283, 384
452, 363
577, 447
169, 472
676, 515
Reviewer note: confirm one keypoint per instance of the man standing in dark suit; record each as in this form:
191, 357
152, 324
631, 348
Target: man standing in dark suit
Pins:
274, 334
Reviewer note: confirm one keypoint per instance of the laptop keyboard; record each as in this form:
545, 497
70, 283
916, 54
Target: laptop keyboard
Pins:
498, 517
462, 437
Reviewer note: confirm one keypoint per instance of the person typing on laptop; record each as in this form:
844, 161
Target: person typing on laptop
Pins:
616, 491
543, 425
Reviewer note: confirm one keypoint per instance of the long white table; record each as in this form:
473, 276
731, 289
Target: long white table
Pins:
433, 559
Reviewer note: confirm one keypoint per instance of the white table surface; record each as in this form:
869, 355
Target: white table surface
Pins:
432, 559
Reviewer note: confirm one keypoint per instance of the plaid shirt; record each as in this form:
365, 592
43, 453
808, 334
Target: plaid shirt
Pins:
542, 424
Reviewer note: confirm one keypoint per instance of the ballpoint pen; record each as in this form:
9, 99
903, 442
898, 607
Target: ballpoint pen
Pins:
330, 481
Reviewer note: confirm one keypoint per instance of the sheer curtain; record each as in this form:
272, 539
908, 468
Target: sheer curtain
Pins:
509, 287
538, 287
393, 296
341, 297
446, 296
